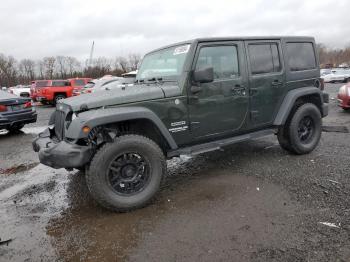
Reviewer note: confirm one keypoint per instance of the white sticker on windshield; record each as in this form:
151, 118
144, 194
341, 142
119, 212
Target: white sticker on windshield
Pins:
181, 49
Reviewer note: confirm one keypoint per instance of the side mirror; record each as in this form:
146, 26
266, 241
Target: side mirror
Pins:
205, 75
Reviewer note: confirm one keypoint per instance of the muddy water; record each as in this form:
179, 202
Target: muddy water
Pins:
50, 216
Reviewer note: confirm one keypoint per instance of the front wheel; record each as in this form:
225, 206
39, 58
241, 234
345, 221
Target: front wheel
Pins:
126, 174
301, 134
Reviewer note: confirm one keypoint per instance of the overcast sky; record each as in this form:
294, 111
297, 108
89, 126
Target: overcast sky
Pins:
38, 28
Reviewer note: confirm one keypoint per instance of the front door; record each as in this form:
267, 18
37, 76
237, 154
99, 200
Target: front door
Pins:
266, 80
220, 106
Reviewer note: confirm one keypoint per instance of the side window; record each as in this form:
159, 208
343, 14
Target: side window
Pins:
223, 59
264, 58
301, 56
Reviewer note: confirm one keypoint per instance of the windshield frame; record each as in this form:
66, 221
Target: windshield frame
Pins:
174, 77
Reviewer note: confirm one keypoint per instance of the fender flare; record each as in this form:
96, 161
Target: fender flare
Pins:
99, 117
289, 100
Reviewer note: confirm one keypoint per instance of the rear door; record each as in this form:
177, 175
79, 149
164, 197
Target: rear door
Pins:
266, 80
222, 105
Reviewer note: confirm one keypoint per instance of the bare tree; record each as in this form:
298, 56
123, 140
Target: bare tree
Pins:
74, 66
62, 66
134, 60
27, 67
41, 68
122, 64
49, 64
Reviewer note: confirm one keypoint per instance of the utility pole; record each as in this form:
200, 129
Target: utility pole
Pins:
91, 53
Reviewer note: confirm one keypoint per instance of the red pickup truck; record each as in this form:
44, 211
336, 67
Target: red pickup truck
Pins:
36, 85
59, 89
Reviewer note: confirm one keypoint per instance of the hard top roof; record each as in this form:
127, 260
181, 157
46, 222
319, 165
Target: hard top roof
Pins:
238, 38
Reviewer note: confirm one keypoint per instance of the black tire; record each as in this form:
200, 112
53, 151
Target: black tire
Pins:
103, 171
15, 128
58, 98
302, 132
283, 139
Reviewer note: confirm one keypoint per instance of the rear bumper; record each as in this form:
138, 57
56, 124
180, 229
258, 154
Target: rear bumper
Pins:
60, 154
6, 121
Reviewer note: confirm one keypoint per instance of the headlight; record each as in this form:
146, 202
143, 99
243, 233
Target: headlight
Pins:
74, 116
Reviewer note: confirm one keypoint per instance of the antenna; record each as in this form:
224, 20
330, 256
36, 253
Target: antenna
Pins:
91, 53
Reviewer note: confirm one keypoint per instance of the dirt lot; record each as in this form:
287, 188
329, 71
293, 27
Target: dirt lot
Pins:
249, 202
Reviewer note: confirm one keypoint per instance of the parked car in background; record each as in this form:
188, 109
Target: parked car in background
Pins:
120, 82
78, 84
130, 74
97, 83
326, 71
337, 75
60, 89
20, 90
344, 97
15, 111
37, 84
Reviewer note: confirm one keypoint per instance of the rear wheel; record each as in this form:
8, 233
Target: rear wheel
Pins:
127, 173
301, 134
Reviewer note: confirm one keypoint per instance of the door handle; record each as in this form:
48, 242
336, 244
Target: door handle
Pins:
276, 83
238, 90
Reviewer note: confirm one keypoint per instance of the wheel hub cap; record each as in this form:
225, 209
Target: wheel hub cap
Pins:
128, 173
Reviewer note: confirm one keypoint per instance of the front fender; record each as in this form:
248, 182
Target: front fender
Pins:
292, 96
99, 117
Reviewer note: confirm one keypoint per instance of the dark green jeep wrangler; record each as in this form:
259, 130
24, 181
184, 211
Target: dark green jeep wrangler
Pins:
189, 98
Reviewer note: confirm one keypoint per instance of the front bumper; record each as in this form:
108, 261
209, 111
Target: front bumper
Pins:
17, 118
60, 154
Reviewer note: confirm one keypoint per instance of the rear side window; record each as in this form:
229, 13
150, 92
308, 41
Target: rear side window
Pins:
59, 83
264, 58
301, 56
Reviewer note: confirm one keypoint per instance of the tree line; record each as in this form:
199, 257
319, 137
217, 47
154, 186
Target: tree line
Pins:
14, 72
333, 57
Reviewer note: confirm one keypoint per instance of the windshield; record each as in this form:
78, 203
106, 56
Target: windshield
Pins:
166, 63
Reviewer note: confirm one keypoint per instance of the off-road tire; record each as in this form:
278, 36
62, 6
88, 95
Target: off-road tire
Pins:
283, 140
58, 97
97, 173
289, 136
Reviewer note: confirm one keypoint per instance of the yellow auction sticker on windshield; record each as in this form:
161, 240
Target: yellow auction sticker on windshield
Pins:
181, 49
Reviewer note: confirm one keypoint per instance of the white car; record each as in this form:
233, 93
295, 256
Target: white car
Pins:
337, 76
20, 90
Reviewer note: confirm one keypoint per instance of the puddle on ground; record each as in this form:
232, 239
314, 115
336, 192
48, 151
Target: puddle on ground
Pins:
17, 169
50, 215
33, 130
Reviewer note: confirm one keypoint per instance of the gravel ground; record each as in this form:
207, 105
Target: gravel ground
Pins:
249, 202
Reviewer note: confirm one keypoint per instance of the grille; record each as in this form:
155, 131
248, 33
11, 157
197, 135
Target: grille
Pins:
59, 124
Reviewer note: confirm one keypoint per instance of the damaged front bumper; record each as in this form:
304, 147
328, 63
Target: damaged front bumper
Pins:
60, 154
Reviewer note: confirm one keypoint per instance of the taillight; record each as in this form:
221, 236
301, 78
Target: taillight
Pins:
3, 108
28, 105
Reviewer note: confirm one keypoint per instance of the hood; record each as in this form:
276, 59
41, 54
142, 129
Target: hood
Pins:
118, 96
